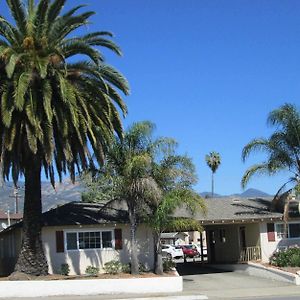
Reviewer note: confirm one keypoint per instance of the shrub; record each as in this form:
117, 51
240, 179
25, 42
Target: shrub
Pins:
113, 267
92, 271
64, 269
286, 258
168, 264
126, 268
143, 268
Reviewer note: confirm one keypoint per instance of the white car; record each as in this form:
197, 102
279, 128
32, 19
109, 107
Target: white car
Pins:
171, 251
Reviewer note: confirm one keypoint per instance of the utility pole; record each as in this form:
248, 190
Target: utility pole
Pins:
16, 194
16, 197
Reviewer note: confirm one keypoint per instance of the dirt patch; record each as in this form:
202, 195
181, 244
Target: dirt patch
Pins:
293, 270
85, 277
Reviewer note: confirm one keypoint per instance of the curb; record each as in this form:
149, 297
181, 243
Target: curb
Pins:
258, 270
187, 297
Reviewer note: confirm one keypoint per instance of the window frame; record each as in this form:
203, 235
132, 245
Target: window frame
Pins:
89, 230
288, 231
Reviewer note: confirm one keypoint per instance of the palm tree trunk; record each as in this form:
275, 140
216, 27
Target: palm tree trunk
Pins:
31, 258
158, 263
133, 244
212, 184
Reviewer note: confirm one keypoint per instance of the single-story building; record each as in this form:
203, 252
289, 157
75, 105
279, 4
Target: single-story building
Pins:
81, 235
240, 229
175, 238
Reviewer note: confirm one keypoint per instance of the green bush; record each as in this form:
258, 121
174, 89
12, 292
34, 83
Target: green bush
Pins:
113, 267
168, 264
143, 268
126, 268
92, 271
64, 269
286, 258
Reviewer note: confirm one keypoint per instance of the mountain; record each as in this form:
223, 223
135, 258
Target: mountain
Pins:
64, 192
249, 193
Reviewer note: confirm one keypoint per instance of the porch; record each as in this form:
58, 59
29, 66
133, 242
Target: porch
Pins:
231, 243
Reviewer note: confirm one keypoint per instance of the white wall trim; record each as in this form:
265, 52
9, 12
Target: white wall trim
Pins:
90, 287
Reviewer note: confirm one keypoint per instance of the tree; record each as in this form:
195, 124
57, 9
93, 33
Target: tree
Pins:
282, 147
126, 176
55, 112
213, 160
153, 181
163, 220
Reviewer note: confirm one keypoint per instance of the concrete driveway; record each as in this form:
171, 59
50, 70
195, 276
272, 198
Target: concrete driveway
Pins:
218, 284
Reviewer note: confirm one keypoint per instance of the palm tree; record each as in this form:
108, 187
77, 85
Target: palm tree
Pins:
126, 176
282, 147
213, 160
55, 112
175, 176
162, 218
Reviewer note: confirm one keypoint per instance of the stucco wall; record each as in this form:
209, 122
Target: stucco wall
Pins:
78, 260
252, 234
267, 248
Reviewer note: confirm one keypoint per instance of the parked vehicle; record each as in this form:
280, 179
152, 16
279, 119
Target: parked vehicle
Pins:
198, 248
172, 251
189, 251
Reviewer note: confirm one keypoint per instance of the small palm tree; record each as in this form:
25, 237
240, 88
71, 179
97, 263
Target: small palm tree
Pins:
126, 176
213, 160
55, 112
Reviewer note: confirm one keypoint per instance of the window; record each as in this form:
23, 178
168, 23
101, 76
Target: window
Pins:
293, 230
222, 236
71, 240
89, 240
279, 231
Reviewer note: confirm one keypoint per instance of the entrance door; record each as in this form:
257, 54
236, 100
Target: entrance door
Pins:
212, 248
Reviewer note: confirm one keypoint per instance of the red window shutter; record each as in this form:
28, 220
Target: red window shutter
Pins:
118, 239
271, 232
60, 241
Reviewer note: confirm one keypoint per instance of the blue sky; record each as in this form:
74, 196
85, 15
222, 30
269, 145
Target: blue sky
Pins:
207, 73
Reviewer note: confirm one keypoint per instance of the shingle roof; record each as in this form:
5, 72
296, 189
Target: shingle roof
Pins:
236, 209
79, 213
12, 216
171, 235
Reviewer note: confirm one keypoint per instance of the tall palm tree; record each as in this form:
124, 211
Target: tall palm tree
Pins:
55, 111
213, 160
282, 147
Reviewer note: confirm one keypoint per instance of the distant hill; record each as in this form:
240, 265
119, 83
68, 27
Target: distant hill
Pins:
254, 193
64, 192
249, 193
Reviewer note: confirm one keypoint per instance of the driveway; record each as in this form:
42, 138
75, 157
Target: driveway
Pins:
218, 284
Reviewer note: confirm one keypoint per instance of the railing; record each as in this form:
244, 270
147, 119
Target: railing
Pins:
250, 253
